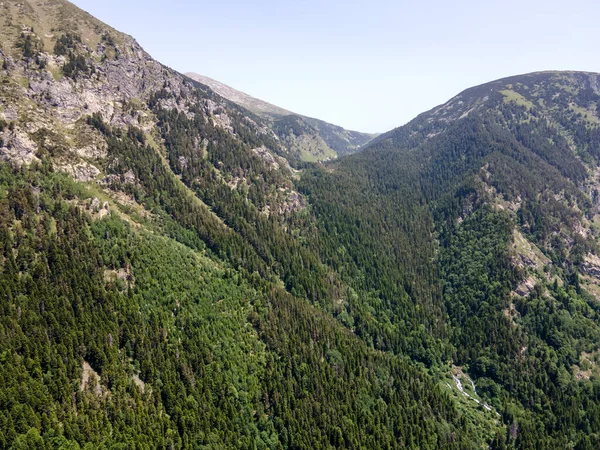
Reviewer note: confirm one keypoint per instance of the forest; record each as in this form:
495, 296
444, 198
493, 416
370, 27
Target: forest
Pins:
173, 276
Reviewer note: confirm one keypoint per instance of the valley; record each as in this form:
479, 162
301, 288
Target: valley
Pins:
185, 266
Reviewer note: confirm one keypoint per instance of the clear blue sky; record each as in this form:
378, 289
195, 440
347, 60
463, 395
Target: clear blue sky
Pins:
365, 65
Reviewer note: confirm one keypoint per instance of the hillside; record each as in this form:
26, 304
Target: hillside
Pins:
488, 206
305, 138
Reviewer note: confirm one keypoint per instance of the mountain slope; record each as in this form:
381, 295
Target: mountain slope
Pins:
487, 204
305, 138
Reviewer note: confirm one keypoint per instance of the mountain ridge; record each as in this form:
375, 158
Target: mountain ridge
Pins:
308, 138
476, 92
249, 102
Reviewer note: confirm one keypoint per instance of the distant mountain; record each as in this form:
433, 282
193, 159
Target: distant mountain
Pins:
259, 107
306, 139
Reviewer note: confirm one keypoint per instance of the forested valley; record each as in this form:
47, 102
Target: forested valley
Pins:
173, 276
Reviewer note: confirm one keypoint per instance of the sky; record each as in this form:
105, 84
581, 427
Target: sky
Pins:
365, 65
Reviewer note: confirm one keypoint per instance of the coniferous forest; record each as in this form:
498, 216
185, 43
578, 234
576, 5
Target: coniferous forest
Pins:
172, 276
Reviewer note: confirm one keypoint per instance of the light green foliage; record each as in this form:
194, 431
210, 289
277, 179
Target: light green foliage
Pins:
512, 96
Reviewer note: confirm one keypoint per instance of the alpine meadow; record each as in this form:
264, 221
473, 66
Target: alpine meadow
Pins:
184, 266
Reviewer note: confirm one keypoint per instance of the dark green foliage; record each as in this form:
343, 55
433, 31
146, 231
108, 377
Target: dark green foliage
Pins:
108, 39
313, 348
225, 359
217, 321
161, 192
76, 66
379, 239
292, 125
478, 277
66, 43
530, 360
383, 213
296, 265
56, 311
50, 143
30, 45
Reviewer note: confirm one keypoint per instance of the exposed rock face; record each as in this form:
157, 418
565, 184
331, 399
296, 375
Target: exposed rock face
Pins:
18, 148
526, 287
90, 379
133, 74
223, 121
591, 266
9, 114
51, 103
267, 156
82, 171
123, 80
99, 210
293, 202
527, 255
95, 205
92, 151
129, 177
120, 81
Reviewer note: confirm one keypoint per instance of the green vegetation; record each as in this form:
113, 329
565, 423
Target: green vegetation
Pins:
30, 45
77, 66
418, 200
512, 96
213, 306
66, 43
182, 351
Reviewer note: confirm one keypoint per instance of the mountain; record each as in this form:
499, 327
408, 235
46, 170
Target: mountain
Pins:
476, 222
169, 280
306, 139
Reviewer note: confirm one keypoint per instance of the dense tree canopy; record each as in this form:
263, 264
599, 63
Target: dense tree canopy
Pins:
435, 291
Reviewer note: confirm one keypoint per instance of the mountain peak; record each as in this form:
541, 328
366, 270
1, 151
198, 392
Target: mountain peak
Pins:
553, 95
252, 104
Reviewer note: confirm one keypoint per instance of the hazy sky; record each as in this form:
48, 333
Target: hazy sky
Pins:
366, 65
